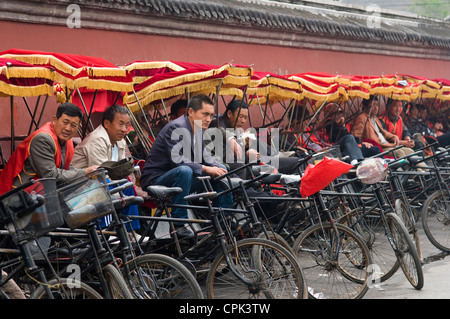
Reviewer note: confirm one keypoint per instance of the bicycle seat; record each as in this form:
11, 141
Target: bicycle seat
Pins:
290, 179
400, 163
271, 179
415, 159
263, 170
159, 192
232, 182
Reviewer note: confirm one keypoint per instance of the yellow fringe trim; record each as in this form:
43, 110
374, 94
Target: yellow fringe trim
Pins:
24, 72
24, 91
64, 67
153, 65
94, 84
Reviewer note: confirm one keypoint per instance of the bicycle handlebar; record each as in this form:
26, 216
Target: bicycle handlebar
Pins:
120, 188
126, 201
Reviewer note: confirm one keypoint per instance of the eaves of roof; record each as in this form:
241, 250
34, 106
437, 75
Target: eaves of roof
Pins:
317, 18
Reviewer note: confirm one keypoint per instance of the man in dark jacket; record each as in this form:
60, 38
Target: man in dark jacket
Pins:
177, 157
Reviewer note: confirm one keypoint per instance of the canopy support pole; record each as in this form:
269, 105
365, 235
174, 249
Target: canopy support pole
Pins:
42, 112
310, 120
13, 146
165, 110
89, 115
88, 122
216, 99
33, 116
143, 113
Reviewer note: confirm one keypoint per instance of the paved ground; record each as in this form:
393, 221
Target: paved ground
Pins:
436, 277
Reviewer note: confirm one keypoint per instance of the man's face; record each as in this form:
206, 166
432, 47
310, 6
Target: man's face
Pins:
203, 115
374, 108
423, 114
117, 129
414, 112
396, 108
65, 127
241, 118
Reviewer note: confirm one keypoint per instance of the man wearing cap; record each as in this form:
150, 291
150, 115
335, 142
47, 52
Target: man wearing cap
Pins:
47, 152
105, 144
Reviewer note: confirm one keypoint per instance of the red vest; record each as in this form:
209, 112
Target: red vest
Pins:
16, 162
396, 128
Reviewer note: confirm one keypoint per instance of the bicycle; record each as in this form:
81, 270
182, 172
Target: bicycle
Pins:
29, 212
382, 228
147, 276
435, 217
260, 268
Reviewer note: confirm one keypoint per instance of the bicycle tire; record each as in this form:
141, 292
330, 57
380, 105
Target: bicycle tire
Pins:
117, 286
64, 288
411, 265
247, 256
436, 220
344, 278
402, 211
166, 277
372, 229
278, 239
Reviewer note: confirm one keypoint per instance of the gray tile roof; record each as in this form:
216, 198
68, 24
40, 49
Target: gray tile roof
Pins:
312, 17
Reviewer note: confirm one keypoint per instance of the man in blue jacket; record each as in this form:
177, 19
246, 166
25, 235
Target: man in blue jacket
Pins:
178, 156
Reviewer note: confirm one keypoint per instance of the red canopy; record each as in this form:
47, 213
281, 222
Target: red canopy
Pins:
76, 71
22, 79
193, 78
320, 87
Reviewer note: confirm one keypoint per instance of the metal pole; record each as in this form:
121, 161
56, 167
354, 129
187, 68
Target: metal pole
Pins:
13, 147
85, 110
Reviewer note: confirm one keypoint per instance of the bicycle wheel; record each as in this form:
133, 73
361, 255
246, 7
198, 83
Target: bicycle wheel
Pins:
272, 270
436, 220
117, 286
63, 288
406, 251
402, 211
159, 276
372, 229
278, 239
335, 261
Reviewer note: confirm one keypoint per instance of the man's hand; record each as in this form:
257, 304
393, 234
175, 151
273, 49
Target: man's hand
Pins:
396, 140
237, 149
214, 171
90, 169
252, 155
407, 142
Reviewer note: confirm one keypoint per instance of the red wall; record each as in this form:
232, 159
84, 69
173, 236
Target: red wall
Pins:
121, 48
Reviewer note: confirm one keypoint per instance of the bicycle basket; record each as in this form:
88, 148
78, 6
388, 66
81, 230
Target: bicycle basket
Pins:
89, 190
26, 217
372, 170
